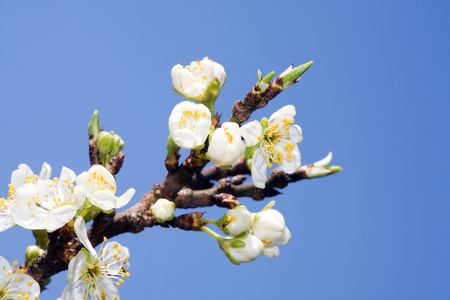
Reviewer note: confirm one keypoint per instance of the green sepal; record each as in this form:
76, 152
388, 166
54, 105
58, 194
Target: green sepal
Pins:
232, 259
237, 244
94, 125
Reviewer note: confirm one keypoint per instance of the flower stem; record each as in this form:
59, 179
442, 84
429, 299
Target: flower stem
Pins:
211, 233
215, 222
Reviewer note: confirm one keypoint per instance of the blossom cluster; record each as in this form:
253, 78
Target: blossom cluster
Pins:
38, 202
252, 234
269, 141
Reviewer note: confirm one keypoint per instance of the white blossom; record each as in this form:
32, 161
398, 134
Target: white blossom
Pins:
236, 221
47, 204
193, 81
95, 275
226, 146
23, 175
270, 227
100, 187
16, 285
189, 124
242, 250
163, 210
276, 143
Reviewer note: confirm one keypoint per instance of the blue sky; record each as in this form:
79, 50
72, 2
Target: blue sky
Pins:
376, 96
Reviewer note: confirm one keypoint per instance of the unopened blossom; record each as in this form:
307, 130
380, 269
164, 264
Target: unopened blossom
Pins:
242, 250
163, 210
100, 187
16, 285
48, 204
226, 146
92, 274
194, 80
270, 227
235, 221
276, 142
189, 124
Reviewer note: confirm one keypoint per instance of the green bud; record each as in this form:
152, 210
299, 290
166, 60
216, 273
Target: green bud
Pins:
109, 145
94, 125
292, 75
264, 83
32, 252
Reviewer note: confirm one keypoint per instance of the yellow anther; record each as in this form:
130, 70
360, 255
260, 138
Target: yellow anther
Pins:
55, 180
17, 278
105, 239
29, 284
15, 262
289, 156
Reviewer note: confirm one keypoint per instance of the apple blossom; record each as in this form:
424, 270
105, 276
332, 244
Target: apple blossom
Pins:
93, 274
100, 187
163, 210
189, 124
276, 142
16, 285
226, 146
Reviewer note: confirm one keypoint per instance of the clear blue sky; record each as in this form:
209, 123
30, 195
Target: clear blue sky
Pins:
377, 96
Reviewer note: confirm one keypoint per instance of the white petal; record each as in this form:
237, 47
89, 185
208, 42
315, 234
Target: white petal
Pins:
259, 168
287, 111
76, 264
271, 250
108, 287
250, 132
80, 230
67, 174
58, 217
125, 198
295, 134
292, 165
46, 172
284, 238
4, 267
18, 176
75, 290
105, 200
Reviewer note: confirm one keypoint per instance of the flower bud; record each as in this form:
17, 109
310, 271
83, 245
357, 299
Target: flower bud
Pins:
163, 210
32, 252
235, 221
268, 225
109, 145
292, 75
321, 168
241, 250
